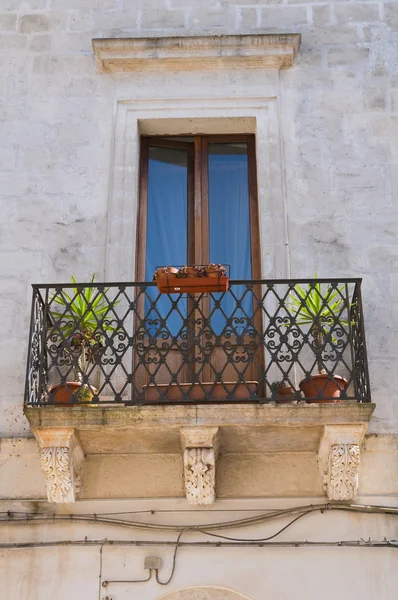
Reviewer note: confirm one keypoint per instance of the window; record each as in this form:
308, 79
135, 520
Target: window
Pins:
198, 204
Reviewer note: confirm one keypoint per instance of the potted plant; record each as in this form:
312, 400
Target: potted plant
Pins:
81, 325
319, 310
165, 272
214, 270
283, 393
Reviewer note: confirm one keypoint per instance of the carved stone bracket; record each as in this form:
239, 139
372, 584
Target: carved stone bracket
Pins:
339, 458
200, 446
342, 477
62, 461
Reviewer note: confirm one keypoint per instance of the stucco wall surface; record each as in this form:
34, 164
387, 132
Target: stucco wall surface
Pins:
337, 120
56, 573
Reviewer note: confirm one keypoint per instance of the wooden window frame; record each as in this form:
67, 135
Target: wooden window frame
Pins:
198, 209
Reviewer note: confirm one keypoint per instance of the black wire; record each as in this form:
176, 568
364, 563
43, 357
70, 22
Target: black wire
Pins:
271, 537
96, 519
174, 562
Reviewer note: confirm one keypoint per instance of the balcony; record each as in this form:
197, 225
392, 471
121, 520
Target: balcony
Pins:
266, 366
129, 344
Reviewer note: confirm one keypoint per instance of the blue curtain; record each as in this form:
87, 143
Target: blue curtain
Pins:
229, 234
166, 242
229, 215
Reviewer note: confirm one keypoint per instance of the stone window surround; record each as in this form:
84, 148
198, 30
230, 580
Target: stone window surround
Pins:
187, 53
183, 116
184, 109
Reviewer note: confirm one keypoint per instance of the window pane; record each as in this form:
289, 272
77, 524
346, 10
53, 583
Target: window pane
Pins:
229, 213
166, 241
229, 216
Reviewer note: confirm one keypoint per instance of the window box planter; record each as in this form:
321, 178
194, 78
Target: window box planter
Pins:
193, 285
192, 279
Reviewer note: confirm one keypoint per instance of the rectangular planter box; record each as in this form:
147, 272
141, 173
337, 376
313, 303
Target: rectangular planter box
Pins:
192, 285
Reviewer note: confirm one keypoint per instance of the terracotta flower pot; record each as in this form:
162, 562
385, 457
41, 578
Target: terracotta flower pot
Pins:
71, 393
321, 385
286, 395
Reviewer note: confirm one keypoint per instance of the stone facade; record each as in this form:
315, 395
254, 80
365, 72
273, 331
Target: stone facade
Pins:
337, 111
327, 160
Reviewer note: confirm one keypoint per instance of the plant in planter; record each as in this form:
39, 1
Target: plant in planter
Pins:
283, 393
322, 312
81, 325
192, 279
165, 272
214, 270
185, 272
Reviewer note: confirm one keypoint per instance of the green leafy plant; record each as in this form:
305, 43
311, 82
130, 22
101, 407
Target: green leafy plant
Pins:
82, 323
320, 309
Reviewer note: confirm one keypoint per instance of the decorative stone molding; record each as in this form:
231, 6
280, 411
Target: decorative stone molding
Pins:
271, 51
339, 459
62, 460
342, 477
200, 445
200, 475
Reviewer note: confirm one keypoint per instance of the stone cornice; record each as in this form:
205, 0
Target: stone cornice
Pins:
144, 416
262, 51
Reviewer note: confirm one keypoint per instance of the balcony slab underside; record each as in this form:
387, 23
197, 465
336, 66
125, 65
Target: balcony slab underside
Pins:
242, 428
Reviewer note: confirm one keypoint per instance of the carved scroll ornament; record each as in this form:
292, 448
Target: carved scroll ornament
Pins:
199, 471
342, 478
62, 462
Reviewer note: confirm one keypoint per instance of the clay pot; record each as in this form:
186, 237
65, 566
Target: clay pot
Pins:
71, 393
286, 395
317, 385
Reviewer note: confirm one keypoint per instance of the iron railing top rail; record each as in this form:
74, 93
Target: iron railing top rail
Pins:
290, 282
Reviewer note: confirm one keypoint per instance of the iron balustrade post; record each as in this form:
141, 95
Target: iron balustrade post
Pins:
29, 360
366, 397
350, 304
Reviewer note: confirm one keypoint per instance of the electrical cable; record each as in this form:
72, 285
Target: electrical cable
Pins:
266, 539
386, 543
208, 530
174, 562
100, 572
34, 518
108, 581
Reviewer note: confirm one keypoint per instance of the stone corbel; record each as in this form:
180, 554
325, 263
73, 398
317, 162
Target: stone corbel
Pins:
200, 447
62, 460
339, 458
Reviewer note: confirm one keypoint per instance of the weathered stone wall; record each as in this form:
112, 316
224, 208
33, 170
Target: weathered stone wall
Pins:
338, 116
238, 475
256, 573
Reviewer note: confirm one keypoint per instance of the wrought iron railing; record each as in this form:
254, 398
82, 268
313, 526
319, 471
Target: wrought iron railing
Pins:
126, 343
